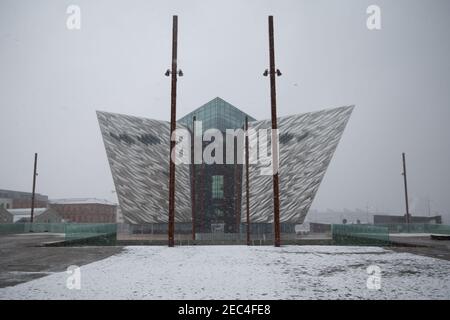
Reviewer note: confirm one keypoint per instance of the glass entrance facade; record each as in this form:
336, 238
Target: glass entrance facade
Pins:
217, 186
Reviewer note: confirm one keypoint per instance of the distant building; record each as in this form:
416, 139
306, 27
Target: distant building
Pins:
85, 210
319, 227
10, 199
330, 216
49, 216
119, 215
5, 216
24, 214
6, 203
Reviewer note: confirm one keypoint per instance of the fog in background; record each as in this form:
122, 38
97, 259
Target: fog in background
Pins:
52, 80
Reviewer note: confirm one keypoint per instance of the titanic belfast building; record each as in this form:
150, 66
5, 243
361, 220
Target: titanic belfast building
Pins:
138, 154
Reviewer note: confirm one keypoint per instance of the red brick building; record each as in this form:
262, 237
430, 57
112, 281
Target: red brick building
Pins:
26, 203
85, 210
10, 199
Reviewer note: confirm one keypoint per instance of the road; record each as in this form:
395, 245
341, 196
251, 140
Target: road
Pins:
23, 257
422, 245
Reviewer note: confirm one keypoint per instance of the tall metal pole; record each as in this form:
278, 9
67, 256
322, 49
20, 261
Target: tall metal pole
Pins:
273, 102
408, 218
34, 188
237, 192
173, 111
193, 177
247, 186
202, 197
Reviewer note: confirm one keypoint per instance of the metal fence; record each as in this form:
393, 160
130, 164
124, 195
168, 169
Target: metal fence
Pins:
417, 228
91, 233
12, 228
359, 234
183, 232
44, 227
242, 236
83, 233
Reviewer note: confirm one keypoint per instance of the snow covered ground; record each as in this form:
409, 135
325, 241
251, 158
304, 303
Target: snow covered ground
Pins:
240, 272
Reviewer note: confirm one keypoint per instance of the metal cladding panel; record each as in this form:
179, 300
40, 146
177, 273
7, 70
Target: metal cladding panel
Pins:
138, 155
306, 145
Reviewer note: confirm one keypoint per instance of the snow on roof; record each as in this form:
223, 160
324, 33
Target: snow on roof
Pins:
82, 201
25, 213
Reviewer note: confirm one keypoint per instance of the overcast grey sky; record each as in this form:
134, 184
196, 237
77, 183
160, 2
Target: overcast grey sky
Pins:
52, 80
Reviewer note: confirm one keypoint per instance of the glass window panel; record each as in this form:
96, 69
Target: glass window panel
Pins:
217, 187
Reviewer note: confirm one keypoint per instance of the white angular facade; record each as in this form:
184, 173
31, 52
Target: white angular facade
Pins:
306, 145
138, 154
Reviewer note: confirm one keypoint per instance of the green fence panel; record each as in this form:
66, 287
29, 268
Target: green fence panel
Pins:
45, 227
437, 228
12, 228
416, 228
19, 227
74, 233
344, 234
404, 227
87, 233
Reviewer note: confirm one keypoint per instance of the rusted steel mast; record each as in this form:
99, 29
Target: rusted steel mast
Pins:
173, 111
408, 217
34, 188
273, 102
202, 197
237, 191
193, 176
238, 187
247, 186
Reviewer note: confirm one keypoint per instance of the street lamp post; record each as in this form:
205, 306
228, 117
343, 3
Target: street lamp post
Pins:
173, 110
273, 101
